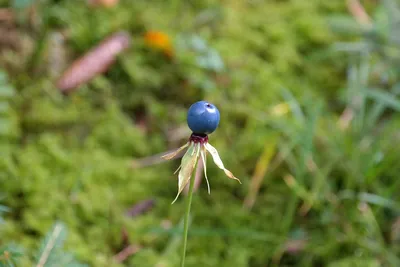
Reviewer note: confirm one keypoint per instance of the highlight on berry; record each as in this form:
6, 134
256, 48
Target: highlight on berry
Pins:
203, 117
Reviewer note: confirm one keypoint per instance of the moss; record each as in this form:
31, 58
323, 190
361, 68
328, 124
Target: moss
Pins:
69, 157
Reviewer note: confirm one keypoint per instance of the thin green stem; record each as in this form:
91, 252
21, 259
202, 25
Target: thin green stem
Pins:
186, 221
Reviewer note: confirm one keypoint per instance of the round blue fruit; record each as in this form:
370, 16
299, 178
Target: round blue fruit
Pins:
203, 117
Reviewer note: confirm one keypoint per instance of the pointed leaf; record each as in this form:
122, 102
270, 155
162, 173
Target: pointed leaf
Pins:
203, 153
385, 98
188, 163
173, 154
218, 161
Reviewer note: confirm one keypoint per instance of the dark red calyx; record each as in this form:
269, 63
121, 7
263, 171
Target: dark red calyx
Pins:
198, 138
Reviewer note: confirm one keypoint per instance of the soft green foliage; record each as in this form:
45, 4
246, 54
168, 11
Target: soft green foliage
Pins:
7, 123
330, 195
50, 252
9, 255
3, 209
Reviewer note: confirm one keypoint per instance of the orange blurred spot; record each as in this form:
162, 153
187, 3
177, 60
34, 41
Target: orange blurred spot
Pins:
159, 40
104, 3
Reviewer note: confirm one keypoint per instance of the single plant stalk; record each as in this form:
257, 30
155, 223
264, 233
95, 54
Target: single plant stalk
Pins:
186, 221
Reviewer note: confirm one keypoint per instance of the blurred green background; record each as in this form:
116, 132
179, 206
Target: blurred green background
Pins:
308, 94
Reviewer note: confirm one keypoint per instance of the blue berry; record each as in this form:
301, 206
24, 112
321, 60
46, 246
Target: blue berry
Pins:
203, 117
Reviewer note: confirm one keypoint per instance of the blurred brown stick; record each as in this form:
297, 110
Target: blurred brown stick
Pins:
94, 62
126, 252
6, 15
359, 13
